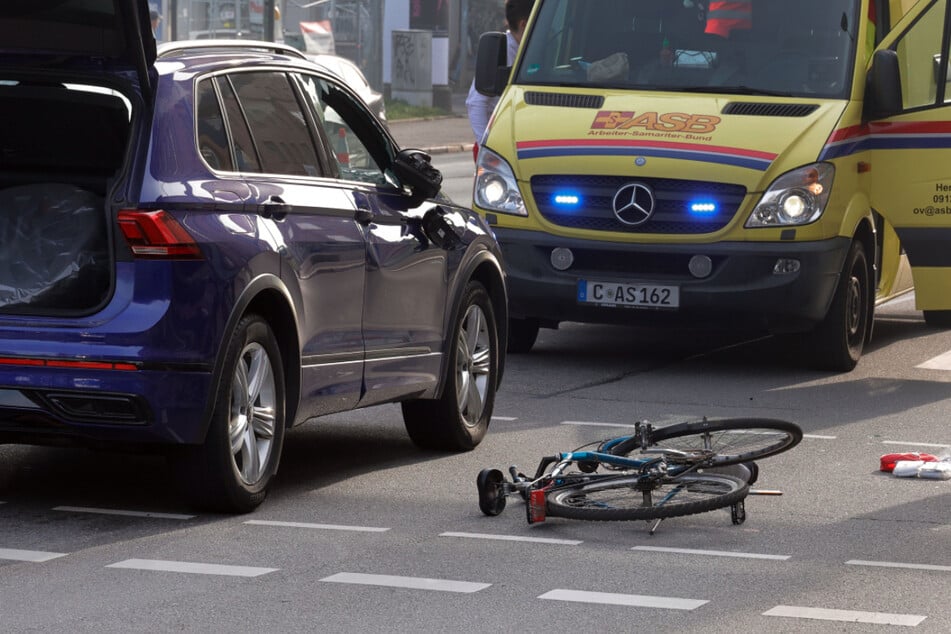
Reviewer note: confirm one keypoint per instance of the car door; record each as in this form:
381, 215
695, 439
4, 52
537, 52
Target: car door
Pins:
909, 152
404, 308
311, 218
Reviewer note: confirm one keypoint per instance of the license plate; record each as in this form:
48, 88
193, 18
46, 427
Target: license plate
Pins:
633, 295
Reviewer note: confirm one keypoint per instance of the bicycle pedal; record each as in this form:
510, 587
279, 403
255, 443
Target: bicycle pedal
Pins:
738, 512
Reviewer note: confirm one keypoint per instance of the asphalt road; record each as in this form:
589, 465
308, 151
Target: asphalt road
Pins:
438, 135
365, 533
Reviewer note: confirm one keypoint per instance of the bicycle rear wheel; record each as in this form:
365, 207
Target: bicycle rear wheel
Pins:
632, 498
728, 441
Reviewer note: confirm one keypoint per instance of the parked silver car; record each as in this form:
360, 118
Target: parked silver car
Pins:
353, 77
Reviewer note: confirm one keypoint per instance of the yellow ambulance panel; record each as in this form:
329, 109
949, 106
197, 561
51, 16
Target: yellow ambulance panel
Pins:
700, 161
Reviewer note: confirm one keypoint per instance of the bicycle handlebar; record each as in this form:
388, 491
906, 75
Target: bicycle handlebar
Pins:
543, 464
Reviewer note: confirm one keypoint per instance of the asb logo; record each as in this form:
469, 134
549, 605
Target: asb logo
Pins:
655, 122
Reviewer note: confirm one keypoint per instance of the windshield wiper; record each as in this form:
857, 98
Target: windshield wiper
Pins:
736, 90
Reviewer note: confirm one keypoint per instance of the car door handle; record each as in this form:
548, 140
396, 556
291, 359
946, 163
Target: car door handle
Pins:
275, 208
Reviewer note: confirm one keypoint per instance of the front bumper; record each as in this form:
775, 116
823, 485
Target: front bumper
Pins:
741, 290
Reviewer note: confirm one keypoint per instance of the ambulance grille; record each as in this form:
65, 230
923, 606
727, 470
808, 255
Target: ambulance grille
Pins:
770, 109
671, 215
563, 101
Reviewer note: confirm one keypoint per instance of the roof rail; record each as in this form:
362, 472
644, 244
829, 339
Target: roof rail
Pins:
170, 48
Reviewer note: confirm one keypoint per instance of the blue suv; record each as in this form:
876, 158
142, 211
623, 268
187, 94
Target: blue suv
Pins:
207, 243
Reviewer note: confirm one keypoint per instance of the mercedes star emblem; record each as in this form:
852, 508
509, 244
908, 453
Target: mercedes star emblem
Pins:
634, 203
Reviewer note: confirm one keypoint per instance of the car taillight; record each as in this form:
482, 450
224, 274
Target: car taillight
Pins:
74, 365
156, 234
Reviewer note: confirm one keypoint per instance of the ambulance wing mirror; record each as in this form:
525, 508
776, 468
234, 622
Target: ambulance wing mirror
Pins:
883, 88
492, 69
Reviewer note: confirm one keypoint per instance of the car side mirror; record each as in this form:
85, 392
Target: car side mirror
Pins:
883, 86
492, 69
414, 170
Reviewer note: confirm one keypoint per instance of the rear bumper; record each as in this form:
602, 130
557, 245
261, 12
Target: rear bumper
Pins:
60, 406
137, 371
741, 290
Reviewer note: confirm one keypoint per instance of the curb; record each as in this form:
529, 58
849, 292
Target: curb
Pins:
441, 117
448, 149
442, 148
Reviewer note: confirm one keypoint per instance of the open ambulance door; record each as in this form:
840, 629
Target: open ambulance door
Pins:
908, 141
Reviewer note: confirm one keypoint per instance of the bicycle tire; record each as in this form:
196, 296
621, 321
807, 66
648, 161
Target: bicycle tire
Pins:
731, 440
620, 498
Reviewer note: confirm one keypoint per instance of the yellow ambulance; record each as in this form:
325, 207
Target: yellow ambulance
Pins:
778, 166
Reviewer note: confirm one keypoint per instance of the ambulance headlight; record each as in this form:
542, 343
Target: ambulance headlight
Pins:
795, 198
495, 188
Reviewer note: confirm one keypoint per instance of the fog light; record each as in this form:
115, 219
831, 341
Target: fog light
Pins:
785, 266
700, 266
562, 258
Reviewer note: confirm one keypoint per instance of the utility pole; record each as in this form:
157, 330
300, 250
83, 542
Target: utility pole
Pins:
269, 20
171, 20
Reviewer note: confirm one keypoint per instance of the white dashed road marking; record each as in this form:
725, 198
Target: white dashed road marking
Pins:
414, 583
86, 509
908, 443
851, 616
582, 423
940, 362
514, 538
595, 424
37, 556
714, 553
895, 564
191, 568
327, 527
636, 600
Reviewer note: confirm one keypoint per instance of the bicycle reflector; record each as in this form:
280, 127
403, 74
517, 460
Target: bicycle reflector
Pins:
535, 507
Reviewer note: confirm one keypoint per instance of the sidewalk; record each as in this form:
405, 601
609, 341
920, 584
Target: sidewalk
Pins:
436, 135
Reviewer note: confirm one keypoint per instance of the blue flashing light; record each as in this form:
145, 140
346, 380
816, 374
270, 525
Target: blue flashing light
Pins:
566, 199
704, 207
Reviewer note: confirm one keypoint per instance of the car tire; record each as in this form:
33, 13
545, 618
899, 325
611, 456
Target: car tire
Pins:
231, 470
837, 342
459, 419
522, 335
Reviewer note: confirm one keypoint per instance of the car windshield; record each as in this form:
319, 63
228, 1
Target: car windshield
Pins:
757, 47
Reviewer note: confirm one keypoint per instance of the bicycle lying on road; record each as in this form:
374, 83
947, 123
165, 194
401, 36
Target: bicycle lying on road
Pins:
653, 474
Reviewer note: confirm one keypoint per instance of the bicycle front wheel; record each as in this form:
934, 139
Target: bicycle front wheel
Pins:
632, 498
724, 442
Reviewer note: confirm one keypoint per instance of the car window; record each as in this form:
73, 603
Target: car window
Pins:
212, 138
281, 136
359, 148
920, 59
244, 153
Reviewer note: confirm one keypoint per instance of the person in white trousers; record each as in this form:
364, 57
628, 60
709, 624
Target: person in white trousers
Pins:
478, 106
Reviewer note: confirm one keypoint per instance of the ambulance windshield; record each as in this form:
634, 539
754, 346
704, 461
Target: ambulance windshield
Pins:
798, 49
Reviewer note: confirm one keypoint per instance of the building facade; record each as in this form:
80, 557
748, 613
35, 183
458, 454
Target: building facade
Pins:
362, 29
